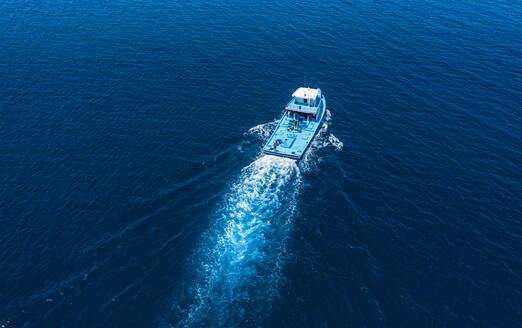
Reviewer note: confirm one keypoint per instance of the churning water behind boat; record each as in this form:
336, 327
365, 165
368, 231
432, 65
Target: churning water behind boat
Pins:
239, 261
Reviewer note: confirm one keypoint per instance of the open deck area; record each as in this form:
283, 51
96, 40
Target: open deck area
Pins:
292, 139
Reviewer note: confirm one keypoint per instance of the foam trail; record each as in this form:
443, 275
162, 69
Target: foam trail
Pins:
234, 273
239, 261
263, 131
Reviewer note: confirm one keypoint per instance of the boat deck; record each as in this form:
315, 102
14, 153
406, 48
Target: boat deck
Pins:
292, 141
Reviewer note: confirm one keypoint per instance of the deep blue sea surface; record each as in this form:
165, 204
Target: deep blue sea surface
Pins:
133, 192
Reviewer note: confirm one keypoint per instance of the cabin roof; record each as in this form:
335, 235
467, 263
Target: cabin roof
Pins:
305, 93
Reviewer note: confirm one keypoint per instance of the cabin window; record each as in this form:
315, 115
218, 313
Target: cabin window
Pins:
305, 100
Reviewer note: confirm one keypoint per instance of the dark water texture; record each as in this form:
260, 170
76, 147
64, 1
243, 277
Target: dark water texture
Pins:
133, 192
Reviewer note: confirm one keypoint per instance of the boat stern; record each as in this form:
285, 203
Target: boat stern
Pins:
281, 154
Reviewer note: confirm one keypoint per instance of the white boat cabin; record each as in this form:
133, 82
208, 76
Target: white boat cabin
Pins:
305, 101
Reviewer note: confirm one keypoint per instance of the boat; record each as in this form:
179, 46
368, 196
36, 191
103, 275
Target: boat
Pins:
300, 123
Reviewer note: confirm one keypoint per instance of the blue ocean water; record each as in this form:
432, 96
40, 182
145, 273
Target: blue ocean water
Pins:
134, 194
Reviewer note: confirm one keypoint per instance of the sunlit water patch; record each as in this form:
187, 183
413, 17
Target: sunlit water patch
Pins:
238, 263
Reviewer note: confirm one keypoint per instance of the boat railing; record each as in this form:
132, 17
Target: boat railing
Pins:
292, 105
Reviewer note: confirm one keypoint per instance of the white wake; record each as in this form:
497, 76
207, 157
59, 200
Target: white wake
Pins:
240, 257
237, 265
